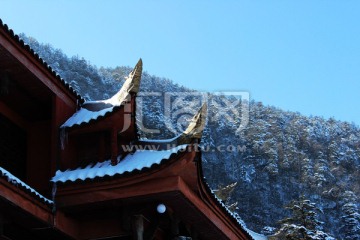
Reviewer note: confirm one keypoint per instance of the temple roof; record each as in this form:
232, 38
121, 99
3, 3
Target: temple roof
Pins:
137, 161
95, 110
141, 158
25, 46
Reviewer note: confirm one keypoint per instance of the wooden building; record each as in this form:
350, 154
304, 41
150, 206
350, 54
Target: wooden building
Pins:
71, 169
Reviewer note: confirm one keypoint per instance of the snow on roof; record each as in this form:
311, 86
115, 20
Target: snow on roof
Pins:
85, 116
17, 182
137, 161
92, 110
256, 236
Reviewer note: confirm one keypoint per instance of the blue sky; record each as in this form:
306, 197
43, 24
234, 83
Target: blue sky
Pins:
297, 55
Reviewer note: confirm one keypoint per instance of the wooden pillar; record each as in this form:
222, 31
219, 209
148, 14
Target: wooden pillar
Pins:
138, 227
114, 146
54, 137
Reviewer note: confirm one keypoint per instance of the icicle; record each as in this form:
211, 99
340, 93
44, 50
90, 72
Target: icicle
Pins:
53, 194
63, 138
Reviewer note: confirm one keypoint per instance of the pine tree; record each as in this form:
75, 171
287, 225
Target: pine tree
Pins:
303, 223
351, 220
351, 217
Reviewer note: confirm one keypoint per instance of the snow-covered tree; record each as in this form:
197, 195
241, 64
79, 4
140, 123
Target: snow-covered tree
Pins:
303, 223
351, 217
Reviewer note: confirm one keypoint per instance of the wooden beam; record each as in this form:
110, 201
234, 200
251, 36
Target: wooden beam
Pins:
89, 195
212, 212
37, 209
94, 227
149, 187
24, 201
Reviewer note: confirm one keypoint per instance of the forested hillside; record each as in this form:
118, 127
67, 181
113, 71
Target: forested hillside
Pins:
284, 155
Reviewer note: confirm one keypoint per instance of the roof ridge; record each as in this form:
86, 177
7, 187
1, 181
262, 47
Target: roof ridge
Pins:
193, 131
96, 110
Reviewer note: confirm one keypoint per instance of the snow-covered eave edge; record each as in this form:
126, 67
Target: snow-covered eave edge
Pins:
91, 111
118, 175
36, 56
111, 177
221, 205
18, 183
230, 214
92, 120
